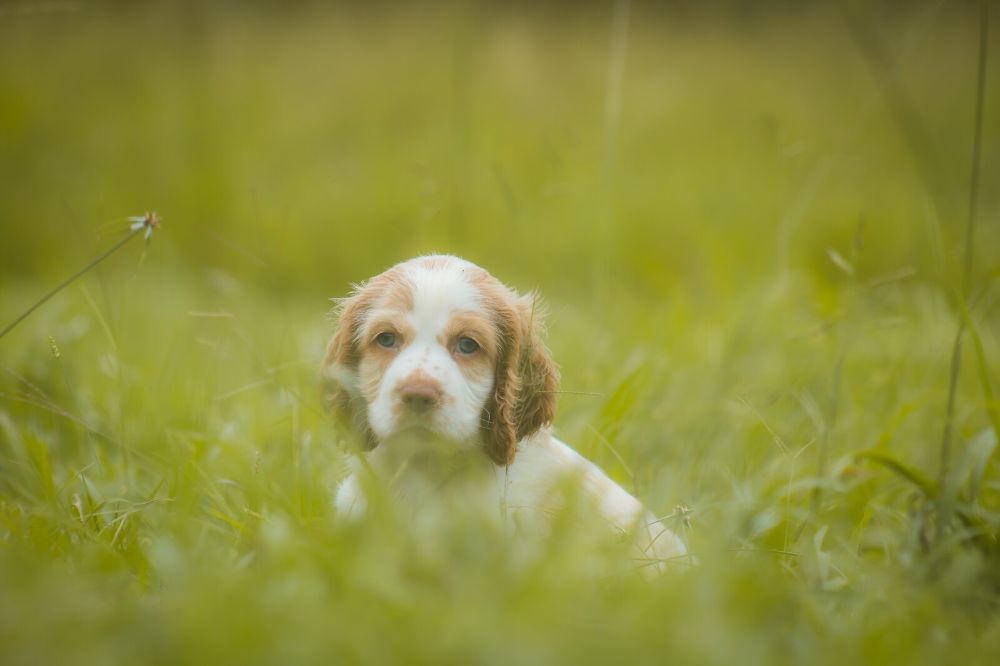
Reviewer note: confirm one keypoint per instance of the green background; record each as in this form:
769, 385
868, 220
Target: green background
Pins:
748, 225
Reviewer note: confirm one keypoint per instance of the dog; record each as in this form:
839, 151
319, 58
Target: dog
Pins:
440, 371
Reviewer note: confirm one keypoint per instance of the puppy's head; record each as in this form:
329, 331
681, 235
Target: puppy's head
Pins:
438, 346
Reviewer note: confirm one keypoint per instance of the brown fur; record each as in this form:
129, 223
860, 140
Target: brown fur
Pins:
343, 353
524, 395
472, 325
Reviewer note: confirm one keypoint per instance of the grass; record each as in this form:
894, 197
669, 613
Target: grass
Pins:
750, 264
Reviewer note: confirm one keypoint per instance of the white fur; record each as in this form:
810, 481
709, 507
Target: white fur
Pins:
524, 495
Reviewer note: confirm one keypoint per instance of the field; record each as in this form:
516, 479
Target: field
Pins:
749, 226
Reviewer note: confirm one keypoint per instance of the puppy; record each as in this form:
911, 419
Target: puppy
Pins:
440, 371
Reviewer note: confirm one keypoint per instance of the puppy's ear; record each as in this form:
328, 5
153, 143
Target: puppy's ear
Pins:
526, 381
539, 375
341, 392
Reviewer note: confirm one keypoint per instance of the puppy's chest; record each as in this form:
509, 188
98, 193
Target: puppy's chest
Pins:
460, 483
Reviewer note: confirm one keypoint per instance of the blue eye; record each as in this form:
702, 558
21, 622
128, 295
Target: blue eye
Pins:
387, 340
467, 346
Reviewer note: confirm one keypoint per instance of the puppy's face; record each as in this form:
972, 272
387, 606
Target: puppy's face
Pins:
427, 349
436, 346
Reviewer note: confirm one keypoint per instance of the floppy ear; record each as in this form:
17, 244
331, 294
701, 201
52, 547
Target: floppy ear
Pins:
525, 385
539, 375
340, 371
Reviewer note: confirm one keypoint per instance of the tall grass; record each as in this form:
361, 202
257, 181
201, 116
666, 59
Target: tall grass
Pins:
766, 373
967, 256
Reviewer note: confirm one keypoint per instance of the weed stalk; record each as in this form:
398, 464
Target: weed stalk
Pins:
146, 223
947, 492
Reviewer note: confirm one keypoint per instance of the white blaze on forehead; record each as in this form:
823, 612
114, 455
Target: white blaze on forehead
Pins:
438, 292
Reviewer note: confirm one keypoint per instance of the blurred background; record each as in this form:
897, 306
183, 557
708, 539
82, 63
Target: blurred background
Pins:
673, 150
747, 220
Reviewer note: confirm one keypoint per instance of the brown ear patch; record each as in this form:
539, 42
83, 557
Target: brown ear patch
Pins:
341, 390
524, 395
539, 375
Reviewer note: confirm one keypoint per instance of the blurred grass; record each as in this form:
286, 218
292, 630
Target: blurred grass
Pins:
756, 220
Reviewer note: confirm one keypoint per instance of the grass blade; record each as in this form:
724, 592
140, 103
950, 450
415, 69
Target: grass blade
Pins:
924, 483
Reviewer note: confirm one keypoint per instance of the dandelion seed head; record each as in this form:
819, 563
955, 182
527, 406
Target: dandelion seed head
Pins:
148, 220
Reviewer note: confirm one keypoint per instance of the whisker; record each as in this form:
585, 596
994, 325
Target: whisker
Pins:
488, 418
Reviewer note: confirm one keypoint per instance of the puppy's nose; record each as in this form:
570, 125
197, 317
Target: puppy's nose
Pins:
420, 393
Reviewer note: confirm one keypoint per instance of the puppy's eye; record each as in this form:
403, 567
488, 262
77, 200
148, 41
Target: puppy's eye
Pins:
467, 346
386, 339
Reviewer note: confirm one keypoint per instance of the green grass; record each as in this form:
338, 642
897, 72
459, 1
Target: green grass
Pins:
750, 279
